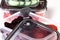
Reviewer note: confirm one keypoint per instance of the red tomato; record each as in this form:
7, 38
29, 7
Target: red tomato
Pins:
53, 26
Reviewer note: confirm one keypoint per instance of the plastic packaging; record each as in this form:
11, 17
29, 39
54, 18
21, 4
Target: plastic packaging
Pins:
34, 16
19, 35
44, 20
31, 30
16, 5
21, 2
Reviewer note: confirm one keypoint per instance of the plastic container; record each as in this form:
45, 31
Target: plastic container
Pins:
44, 20
37, 6
21, 3
21, 36
31, 30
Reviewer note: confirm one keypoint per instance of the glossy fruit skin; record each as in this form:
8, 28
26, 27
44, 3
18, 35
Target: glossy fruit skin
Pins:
53, 26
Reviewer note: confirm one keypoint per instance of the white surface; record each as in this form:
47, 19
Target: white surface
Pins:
1, 18
53, 11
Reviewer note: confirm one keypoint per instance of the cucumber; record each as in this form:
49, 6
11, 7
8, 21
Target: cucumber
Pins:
37, 0
13, 3
27, 3
34, 2
21, 3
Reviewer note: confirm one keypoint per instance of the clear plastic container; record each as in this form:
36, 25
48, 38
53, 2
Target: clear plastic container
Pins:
35, 5
34, 16
49, 35
37, 32
46, 21
21, 3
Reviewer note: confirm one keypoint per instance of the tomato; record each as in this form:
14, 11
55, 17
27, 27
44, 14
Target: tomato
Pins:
53, 26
